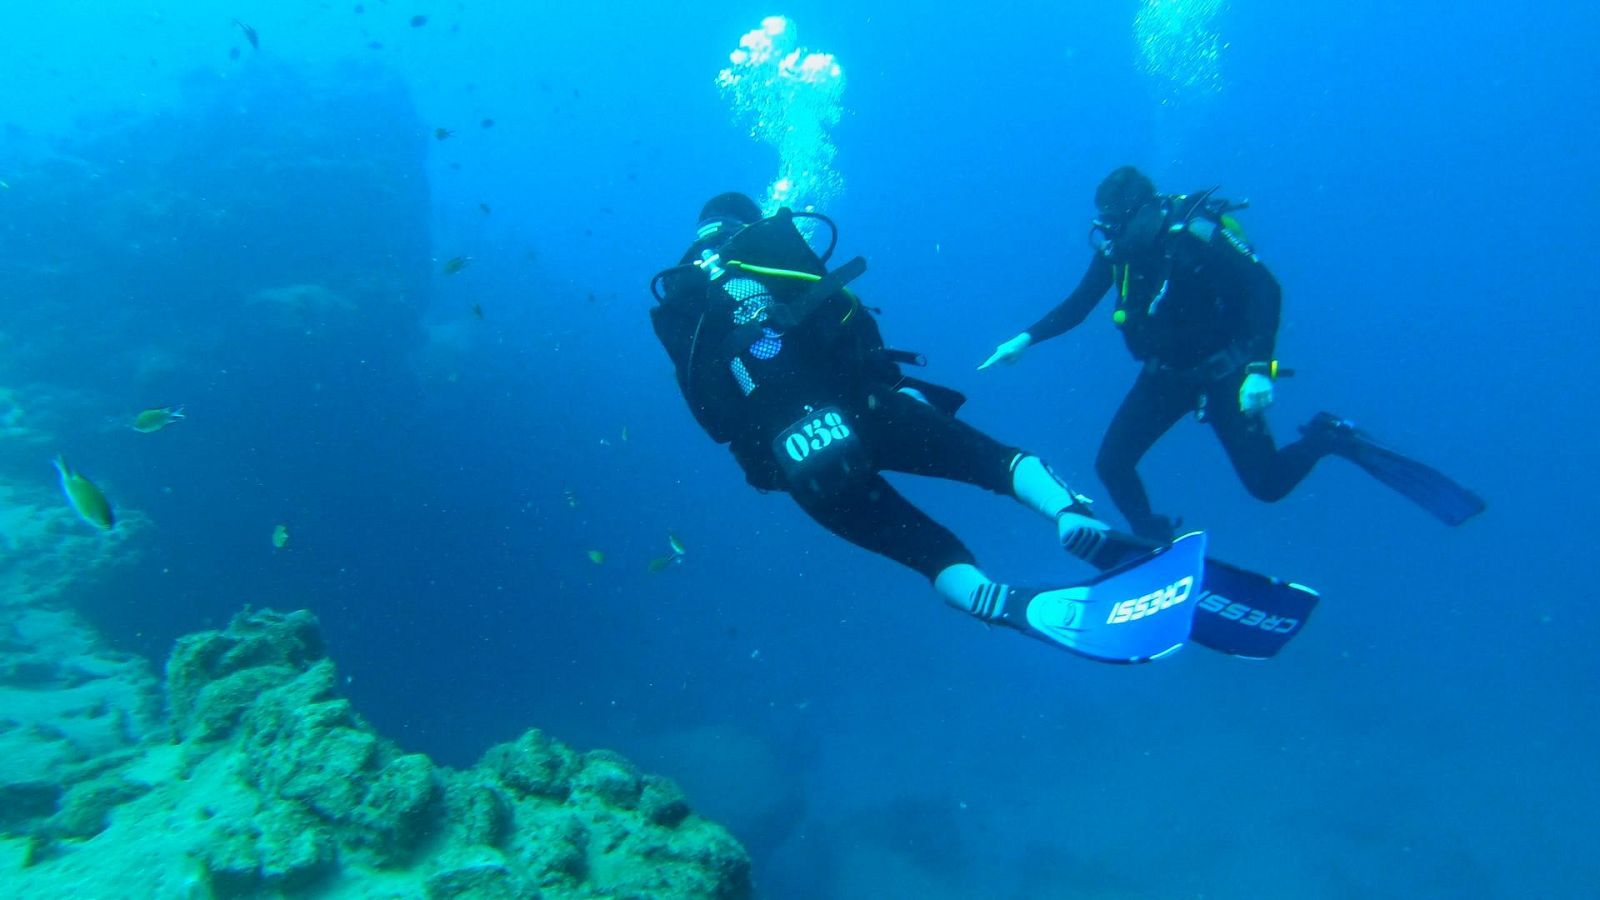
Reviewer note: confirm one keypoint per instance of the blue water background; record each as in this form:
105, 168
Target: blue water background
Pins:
1422, 184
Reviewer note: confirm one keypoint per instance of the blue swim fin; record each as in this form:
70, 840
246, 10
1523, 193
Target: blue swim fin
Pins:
1239, 612
1141, 609
1424, 485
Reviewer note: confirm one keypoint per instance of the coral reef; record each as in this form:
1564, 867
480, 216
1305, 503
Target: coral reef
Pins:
265, 782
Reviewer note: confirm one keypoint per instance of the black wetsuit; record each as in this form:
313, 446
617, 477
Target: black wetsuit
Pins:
1197, 307
750, 395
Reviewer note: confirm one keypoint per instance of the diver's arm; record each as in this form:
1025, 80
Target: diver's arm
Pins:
1071, 312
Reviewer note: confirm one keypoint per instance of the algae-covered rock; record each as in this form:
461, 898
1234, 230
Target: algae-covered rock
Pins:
302, 745
482, 881
308, 752
398, 808
534, 764
663, 802
552, 846
214, 675
610, 778
274, 851
85, 807
216, 708
278, 787
478, 811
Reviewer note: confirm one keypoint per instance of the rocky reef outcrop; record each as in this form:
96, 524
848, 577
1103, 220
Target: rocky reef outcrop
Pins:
266, 782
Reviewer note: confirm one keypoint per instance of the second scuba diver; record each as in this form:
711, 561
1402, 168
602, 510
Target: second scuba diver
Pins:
1200, 311
779, 360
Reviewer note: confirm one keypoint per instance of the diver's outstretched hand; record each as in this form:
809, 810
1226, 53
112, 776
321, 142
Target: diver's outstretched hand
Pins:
1009, 352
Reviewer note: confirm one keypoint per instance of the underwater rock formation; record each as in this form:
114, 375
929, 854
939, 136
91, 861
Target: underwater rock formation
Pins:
69, 708
271, 784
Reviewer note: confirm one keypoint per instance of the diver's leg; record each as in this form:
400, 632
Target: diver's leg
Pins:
911, 436
1268, 472
871, 514
1153, 405
1419, 482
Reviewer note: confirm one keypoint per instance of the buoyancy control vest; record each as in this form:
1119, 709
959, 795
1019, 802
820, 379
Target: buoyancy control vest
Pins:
1141, 280
768, 319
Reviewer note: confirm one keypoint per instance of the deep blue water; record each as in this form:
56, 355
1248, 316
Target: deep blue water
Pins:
1422, 183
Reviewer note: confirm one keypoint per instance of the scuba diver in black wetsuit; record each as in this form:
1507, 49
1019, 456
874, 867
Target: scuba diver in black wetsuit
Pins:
1200, 311
777, 359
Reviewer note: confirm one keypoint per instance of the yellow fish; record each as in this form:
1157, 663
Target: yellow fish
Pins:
156, 419
661, 562
85, 499
280, 536
596, 557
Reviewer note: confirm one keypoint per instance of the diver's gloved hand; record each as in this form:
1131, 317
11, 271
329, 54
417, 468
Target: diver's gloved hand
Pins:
1009, 352
1255, 394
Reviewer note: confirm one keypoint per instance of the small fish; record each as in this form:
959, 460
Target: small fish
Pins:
280, 536
374, 45
477, 310
571, 498
440, 134
152, 420
486, 123
456, 264
418, 21
84, 498
485, 208
249, 34
624, 434
661, 562
596, 557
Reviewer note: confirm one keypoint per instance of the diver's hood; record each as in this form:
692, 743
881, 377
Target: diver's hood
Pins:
1141, 234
